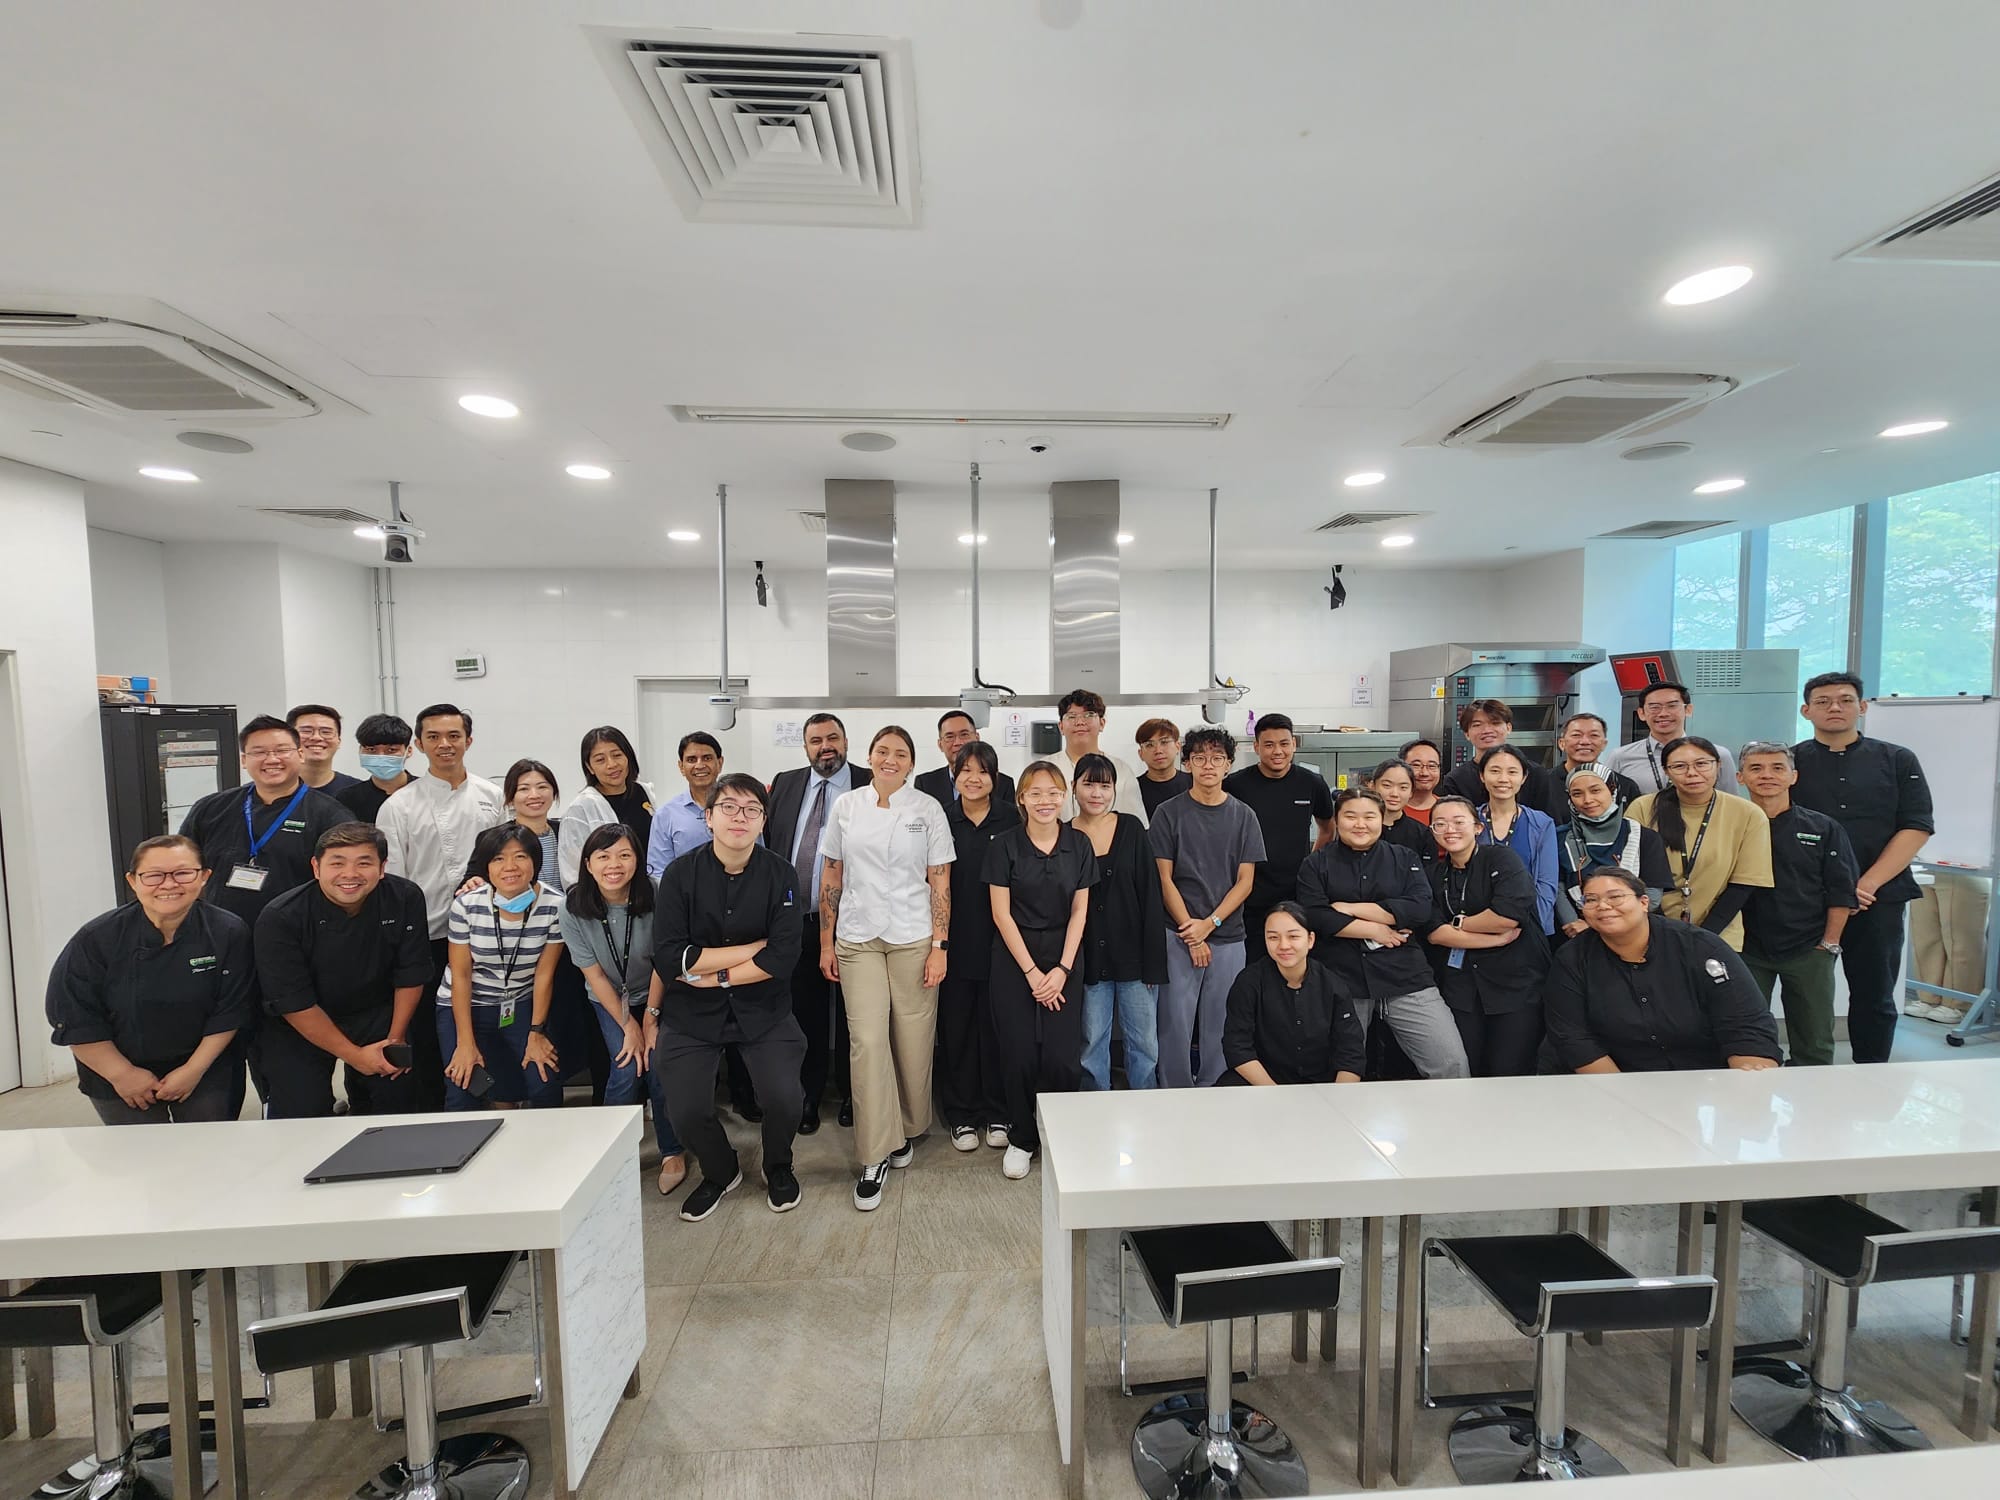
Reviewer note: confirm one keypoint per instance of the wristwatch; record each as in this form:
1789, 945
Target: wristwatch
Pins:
1216, 920
1833, 948
538, 1028
722, 980
652, 1012
943, 945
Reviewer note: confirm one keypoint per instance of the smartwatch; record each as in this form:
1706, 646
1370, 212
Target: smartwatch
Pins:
538, 1028
943, 945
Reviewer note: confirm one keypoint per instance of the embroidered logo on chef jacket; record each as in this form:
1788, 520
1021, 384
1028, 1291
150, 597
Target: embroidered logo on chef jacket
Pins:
294, 825
916, 825
201, 964
1811, 839
1716, 971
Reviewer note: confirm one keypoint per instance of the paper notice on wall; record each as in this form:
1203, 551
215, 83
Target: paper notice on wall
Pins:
1362, 693
1014, 728
788, 732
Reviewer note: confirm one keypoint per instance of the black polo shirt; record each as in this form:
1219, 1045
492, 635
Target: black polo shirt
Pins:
1690, 1003
364, 799
1286, 807
1488, 981
1041, 887
1126, 937
698, 905
216, 823
1874, 790
971, 906
1813, 869
311, 952
1303, 1035
1152, 793
1393, 878
118, 981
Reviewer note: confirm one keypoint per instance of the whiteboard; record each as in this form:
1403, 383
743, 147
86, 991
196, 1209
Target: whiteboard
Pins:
1958, 741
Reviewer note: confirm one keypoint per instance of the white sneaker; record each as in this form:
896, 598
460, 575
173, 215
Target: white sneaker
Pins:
996, 1137
964, 1138
1947, 1015
1014, 1165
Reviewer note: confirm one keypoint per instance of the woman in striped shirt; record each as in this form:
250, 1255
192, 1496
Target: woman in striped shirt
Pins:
493, 1004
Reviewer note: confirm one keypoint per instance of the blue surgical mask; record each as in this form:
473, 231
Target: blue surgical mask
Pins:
383, 767
518, 903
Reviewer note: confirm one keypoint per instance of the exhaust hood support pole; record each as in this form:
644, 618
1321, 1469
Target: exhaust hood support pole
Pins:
721, 703
977, 701
1216, 694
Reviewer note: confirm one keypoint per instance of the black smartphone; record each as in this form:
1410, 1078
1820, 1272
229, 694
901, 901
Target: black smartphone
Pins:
480, 1084
399, 1054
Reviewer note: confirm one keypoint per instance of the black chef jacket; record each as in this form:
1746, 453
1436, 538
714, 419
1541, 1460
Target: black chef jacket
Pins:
1408, 833
1690, 1003
216, 823
1303, 1035
1541, 786
1393, 878
971, 906
1041, 886
310, 952
698, 905
1874, 790
1488, 981
1557, 804
118, 981
1126, 937
1813, 869
1286, 807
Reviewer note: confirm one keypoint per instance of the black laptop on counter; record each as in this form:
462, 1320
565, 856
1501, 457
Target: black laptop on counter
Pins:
433, 1148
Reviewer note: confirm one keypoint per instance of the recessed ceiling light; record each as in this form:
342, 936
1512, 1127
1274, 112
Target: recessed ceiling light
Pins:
1718, 486
1363, 479
1913, 429
1400, 539
1124, 538
1706, 286
965, 539
369, 533
489, 406
868, 442
684, 536
587, 471
173, 476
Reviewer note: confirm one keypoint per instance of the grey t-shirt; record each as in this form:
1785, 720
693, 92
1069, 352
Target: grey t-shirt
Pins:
587, 943
1207, 845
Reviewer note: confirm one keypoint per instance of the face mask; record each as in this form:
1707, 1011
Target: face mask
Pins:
516, 904
382, 767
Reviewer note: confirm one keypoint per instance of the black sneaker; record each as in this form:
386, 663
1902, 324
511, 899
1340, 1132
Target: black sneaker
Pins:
903, 1155
868, 1189
707, 1197
781, 1189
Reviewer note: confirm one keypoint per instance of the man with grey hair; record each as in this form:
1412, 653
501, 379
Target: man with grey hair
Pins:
1792, 931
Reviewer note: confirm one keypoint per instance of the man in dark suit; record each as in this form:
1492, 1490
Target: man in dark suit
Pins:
955, 732
801, 804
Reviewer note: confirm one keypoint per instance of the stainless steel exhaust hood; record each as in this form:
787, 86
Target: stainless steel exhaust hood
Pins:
1083, 586
861, 588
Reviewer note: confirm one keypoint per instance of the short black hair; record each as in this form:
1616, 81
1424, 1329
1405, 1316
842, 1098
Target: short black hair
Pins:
1083, 698
1349, 794
1206, 737
1095, 767
487, 847
444, 711
1293, 910
1396, 763
1618, 873
822, 717
382, 729
321, 709
1831, 679
1272, 723
1485, 708
698, 737
975, 750
163, 841
1452, 799
955, 713
1597, 719
353, 834
585, 899
743, 782
1654, 687
1409, 745
606, 734
527, 767
262, 724
1486, 757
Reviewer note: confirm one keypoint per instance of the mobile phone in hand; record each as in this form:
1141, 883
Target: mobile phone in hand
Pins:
399, 1054
480, 1084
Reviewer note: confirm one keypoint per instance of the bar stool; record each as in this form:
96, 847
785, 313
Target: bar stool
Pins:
409, 1307
1813, 1413
101, 1314
1551, 1286
1193, 1447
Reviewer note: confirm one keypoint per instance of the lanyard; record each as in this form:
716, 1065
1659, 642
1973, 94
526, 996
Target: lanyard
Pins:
1687, 863
1655, 765
1454, 909
250, 829
520, 939
621, 959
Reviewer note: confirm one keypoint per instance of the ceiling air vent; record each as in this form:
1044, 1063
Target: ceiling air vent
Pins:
1354, 518
1964, 232
1586, 409
326, 519
1657, 530
813, 520
127, 369
817, 130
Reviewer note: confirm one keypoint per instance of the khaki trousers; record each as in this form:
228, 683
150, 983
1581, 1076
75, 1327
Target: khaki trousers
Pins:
891, 1031
1948, 933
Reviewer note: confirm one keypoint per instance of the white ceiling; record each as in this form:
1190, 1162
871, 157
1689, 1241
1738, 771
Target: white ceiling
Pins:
1347, 224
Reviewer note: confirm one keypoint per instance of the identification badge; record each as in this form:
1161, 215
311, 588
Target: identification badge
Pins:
506, 1012
1457, 959
247, 878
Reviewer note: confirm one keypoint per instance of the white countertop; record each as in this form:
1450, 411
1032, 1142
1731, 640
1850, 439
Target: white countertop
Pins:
93, 1200
1942, 1474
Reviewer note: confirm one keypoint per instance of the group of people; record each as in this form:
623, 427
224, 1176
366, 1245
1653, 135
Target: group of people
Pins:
877, 943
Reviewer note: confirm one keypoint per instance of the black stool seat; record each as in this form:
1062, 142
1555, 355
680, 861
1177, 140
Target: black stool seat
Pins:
1203, 1273
1856, 1246
383, 1305
65, 1311
1562, 1283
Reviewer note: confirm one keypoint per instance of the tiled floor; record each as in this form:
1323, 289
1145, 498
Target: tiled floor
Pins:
831, 1355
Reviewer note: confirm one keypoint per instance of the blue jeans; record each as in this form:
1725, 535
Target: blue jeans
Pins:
623, 1085
503, 1048
1137, 1007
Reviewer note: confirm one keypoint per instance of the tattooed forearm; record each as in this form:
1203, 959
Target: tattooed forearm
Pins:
941, 902
829, 896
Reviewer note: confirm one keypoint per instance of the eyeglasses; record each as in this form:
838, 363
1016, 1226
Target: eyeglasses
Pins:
1157, 742
748, 811
1079, 721
152, 880
1846, 700
1699, 763
1208, 758
1616, 898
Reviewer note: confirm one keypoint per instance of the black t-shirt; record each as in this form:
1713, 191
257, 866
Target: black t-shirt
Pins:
216, 823
1286, 807
339, 782
364, 799
971, 907
310, 952
1152, 793
1041, 886
635, 810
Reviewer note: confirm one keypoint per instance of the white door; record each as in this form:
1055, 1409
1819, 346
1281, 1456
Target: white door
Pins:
10, 1050
11, 792
670, 707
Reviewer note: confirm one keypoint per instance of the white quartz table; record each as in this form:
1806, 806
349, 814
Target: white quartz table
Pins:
1402, 1150
1943, 1474
560, 1184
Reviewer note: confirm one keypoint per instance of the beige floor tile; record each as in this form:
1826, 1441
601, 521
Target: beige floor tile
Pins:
824, 1236
679, 1253
833, 1472
1014, 1465
967, 1220
771, 1364
966, 1356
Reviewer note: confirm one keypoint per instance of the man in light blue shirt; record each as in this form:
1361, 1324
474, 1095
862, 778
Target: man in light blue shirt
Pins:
681, 824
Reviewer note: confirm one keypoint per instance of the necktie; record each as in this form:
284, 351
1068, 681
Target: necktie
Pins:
807, 862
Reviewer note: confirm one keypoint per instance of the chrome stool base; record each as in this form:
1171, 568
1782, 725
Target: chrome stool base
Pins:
1496, 1445
1780, 1401
1175, 1457
472, 1466
145, 1472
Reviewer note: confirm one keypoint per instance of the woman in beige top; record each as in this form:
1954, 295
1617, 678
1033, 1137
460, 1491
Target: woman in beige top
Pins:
1718, 844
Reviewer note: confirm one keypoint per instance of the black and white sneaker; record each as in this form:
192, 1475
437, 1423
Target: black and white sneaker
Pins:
781, 1189
996, 1137
965, 1137
868, 1190
707, 1197
903, 1155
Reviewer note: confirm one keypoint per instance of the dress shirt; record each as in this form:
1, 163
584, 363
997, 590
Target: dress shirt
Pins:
1689, 1003
311, 952
1303, 1035
679, 827
1643, 763
1488, 981
1127, 800
700, 905
971, 906
1874, 790
431, 827
1393, 878
1126, 937
1814, 872
886, 856
1735, 851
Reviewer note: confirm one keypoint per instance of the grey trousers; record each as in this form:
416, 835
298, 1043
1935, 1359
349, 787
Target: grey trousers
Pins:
1193, 1005
1423, 1025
